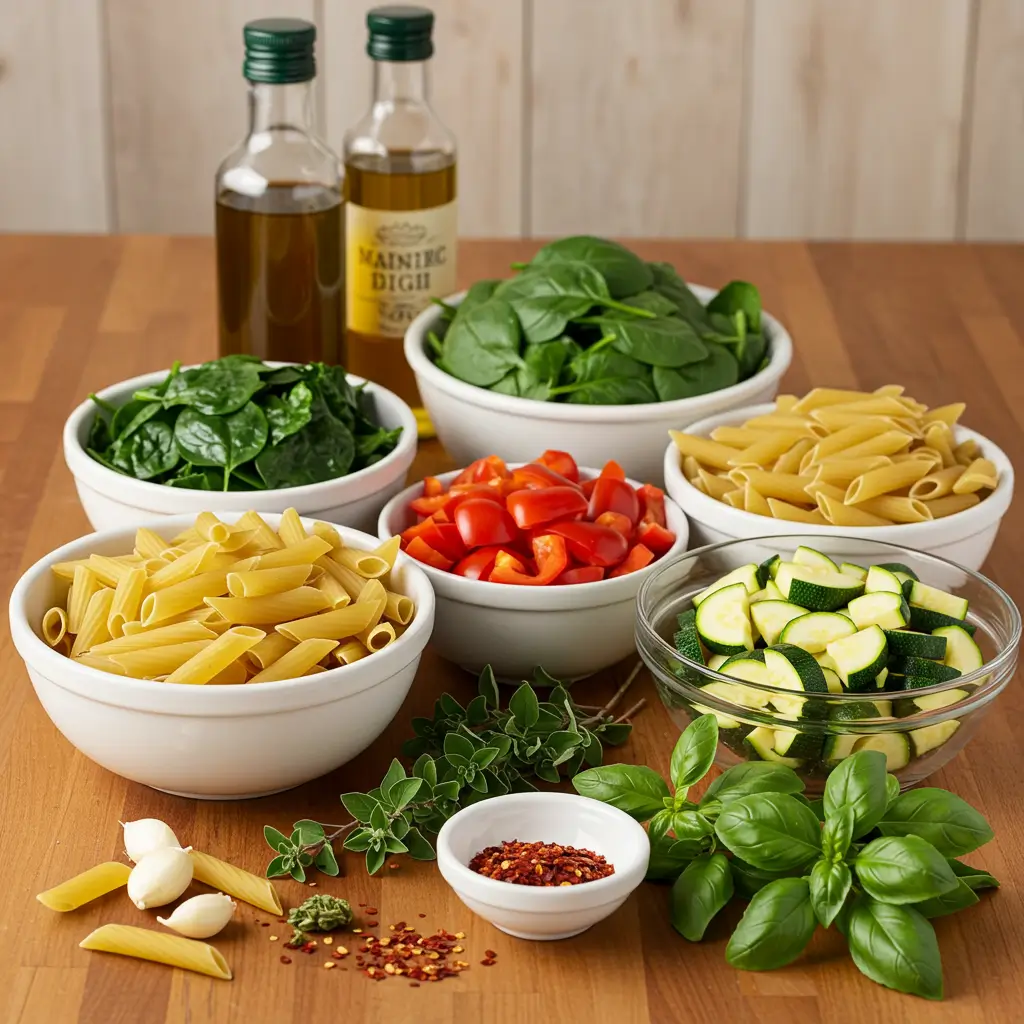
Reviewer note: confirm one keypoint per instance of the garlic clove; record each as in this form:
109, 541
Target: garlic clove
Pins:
146, 835
201, 916
160, 877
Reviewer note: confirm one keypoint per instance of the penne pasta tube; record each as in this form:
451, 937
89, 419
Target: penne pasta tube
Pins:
786, 486
940, 437
159, 947
328, 533
784, 421
698, 485
305, 552
262, 582
948, 414
705, 451
86, 583
365, 563
55, 626
350, 651
238, 540
109, 570
816, 487
841, 471
377, 638
127, 599
849, 437
716, 486
691, 467
192, 615
936, 484
94, 623
270, 608
149, 543
66, 570
795, 514
764, 452
834, 418
754, 501
161, 636
199, 560
898, 509
182, 597
351, 581
296, 662
100, 662
332, 590
290, 528
233, 675
816, 398
890, 389
268, 650
388, 550
980, 474
888, 443
875, 405
839, 514
785, 403
210, 528
789, 462
314, 670
338, 624
147, 662
967, 451
264, 538
86, 887
734, 497
216, 657
951, 504
188, 534
734, 437
243, 885
399, 608
884, 480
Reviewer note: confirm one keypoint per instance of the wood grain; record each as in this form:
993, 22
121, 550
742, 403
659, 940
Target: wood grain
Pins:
855, 118
79, 313
636, 117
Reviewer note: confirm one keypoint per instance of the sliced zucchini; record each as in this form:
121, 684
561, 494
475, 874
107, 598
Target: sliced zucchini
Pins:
825, 660
792, 668
880, 608
724, 721
745, 574
880, 580
838, 745
793, 743
920, 645
832, 680
925, 620
928, 702
933, 736
716, 661
771, 618
911, 666
735, 693
856, 711
761, 742
816, 591
773, 592
894, 745
900, 568
815, 630
860, 658
723, 620
961, 651
938, 600
856, 571
814, 560
686, 641
754, 655
767, 569
881, 678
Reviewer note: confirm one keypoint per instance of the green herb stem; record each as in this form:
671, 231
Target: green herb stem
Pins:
634, 310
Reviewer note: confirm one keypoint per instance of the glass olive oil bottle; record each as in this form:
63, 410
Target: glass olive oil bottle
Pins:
280, 255
400, 211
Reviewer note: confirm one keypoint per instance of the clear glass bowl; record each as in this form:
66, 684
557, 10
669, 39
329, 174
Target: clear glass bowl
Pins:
669, 591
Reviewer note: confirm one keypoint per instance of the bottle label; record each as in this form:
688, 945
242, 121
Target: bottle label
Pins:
396, 262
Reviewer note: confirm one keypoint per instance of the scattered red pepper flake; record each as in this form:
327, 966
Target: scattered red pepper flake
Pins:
286, 959
488, 962
264, 924
490, 954
371, 911
407, 953
394, 867
540, 864
422, 915
372, 924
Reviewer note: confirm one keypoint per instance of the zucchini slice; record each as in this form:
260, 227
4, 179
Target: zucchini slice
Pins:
920, 645
716, 661
773, 592
686, 640
881, 580
761, 742
723, 620
961, 651
838, 745
914, 668
938, 600
894, 745
791, 668
771, 617
816, 591
924, 620
755, 655
933, 736
856, 711
880, 608
928, 702
814, 560
858, 572
815, 630
752, 670
745, 574
736, 693
767, 569
860, 658
793, 743
899, 568
832, 680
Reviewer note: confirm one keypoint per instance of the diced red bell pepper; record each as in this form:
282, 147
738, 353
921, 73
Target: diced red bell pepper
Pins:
611, 495
613, 471
638, 557
507, 562
652, 500
588, 487
530, 508
534, 475
581, 574
441, 515
427, 505
592, 544
551, 557
463, 492
477, 565
484, 522
562, 463
657, 538
617, 522
432, 487
417, 529
480, 472
423, 552
445, 539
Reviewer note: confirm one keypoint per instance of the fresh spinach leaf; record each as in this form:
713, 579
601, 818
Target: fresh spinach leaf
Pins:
483, 345
607, 377
739, 297
99, 438
667, 282
215, 389
371, 448
653, 302
131, 416
776, 927
193, 481
289, 414
699, 893
946, 821
225, 441
715, 371
153, 451
477, 293
623, 271
667, 341
903, 869
323, 450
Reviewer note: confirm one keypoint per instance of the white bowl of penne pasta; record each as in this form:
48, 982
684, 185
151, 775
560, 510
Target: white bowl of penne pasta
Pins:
111, 499
920, 480
242, 660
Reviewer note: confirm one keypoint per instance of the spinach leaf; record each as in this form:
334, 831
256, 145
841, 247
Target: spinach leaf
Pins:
717, 370
606, 377
739, 297
99, 438
859, 782
699, 893
322, 450
667, 282
153, 451
214, 389
287, 415
830, 884
903, 869
333, 388
623, 271
225, 441
193, 481
634, 788
371, 448
652, 301
772, 831
751, 353
667, 341
245, 478
753, 777
483, 345
282, 375
775, 928
131, 416
946, 821
478, 293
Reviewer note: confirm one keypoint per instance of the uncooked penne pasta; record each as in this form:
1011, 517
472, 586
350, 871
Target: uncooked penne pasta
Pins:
209, 527
898, 508
735, 437
786, 403
794, 513
388, 550
365, 563
816, 398
967, 451
290, 528
127, 599
296, 662
268, 650
787, 486
94, 623
350, 651
216, 657
55, 626
337, 624
85, 887
948, 414
231, 675
784, 421
161, 636
200, 614
816, 487
86, 583
980, 474
734, 497
149, 543
840, 514
189, 533
789, 462
764, 452
951, 504
848, 438
399, 608
263, 538
328, 533
887, 443
378, 637
351, 581
332, 590
841, 472
305, 552
157, 608
270, 608
109, 570
193, 563
717, 486
148, 662
66, 570
705, 451
940, 437
261, 582
884, 480
691, 467
98, 661
754, 501
243, 885
936, 484
160, 947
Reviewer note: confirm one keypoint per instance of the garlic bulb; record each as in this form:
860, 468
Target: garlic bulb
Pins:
146, 835
160, 877
201, 916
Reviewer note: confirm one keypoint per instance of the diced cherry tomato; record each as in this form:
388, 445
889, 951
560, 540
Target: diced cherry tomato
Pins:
592, 544
551, 558
432, 487
529, 508
653, 501
581, 574
638, 557
423, 552
477, 565
534, 475
656, 537
613, 471
561, 462
445, 539
611, 495
616, 521
481, 521
588, 486
427, 505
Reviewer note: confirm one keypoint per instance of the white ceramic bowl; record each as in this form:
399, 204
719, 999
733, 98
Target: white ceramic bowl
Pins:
536, 912
472, 422
111, 499
571, 631
215, 742
965, 538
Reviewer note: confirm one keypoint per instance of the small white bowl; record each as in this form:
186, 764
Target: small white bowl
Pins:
472, 422
571, 631
111, 499
215, 742
965, 537
537, 912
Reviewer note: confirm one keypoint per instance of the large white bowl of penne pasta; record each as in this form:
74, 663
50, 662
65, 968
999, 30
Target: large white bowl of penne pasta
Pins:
223, 657
877, 466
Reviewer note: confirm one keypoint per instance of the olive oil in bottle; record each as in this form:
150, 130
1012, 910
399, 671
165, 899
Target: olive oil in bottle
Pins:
400, 210
280, 252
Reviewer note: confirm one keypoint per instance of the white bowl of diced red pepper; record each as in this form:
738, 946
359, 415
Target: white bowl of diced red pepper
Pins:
535, 564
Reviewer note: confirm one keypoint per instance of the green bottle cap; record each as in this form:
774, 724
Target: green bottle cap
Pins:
400, 33
279, 50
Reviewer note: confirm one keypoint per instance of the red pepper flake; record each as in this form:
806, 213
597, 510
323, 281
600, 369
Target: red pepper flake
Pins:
286, 959
361, 904
490, 954
414, 984
408, 954
422, 915
372, 924
488, 962
371, 911
264, 924
394, 867
540, 864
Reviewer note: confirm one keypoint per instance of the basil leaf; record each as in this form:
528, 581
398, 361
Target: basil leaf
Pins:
895, 947
153, 451
976, 878
859, 782
322, 450
830, 884
667, 341
749, 880
772, 831
775, 928
634, 788
623, 271
903, 869
960, 898
892, 789
290, 414
753, 777
670, 856
718, 369
694, 752
482, 344
690, 825
946, 821
837, 834
699, 893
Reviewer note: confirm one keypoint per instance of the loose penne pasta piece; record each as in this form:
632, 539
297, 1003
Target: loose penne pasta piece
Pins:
238, 542
189, 533
85, 887
127, 599
734, 497
263, 536
698, 485
786, 403
951, 504
786, 486
897, 508
149, 543
270, 608
388, 550
295, 662
884, 480
705, 451
789, 462
764, 452
840, 471
940, 437
350, 651
193, 563
262, 582
159, 947
754, 501
337, 624
161, 636
328, 533
776, 421
875, 405
202, 667
268, 650
94, 623
351, 581
980, 474
717, 486
378, 637
691, 467
839, 514
948, 414
209, 527
848, 438
66, 570
835, 418
365, 563
147, 662
243, 885
98, 661
816, 487
936, 484
55, 626
313, 670
290, 528
927, 455
795, 514
332, 590
889, 443
816, 398
967, 451
109, 570
192, 615
182, 597
305, 552
231, 675
735, 437
86, 583
399, 608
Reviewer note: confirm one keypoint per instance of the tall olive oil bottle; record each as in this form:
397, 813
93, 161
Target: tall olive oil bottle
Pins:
400, 211
280, 254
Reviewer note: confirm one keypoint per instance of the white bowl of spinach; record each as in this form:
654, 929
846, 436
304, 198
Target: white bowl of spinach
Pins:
591, 349
283, 435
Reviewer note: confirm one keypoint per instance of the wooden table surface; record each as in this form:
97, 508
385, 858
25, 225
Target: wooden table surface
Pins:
80, 313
